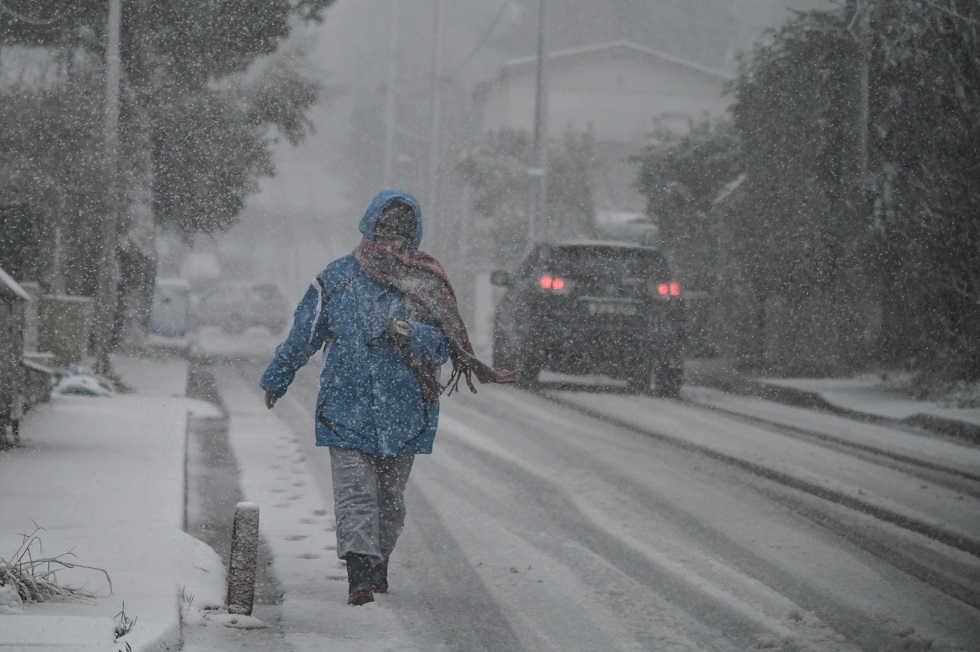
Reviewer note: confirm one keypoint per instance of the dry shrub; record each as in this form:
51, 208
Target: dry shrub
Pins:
34, 576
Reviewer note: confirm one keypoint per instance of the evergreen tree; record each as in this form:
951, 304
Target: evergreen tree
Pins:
175, 55
195, 125
900, 236
503, 192
680, 176
926, 132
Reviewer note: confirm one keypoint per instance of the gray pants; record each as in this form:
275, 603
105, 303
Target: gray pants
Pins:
369, 501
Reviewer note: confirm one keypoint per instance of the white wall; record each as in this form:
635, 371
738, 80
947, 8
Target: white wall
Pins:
618, 97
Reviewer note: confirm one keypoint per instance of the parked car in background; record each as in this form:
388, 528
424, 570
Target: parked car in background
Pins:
171, 307
235, 307
592, 307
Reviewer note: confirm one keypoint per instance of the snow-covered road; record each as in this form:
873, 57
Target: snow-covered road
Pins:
596, 520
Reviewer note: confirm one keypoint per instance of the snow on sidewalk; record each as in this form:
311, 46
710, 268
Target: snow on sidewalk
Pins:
871, 395
104, 478
296, 520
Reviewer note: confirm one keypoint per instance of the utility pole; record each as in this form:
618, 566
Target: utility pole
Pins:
105, 303
864, 93
862, 277
539, 215
389, 154
435, 139
860, 28
870, 272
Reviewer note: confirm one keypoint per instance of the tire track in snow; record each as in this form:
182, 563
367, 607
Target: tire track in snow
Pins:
946, 535
870, 526
841, 604
504, 414
740, 609
962, 480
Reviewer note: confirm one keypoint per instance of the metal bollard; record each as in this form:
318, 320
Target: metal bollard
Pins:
241, 567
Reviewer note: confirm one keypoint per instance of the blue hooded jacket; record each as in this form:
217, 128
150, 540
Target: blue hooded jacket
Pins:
369, 399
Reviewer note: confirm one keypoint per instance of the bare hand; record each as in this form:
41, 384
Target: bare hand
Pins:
270, 400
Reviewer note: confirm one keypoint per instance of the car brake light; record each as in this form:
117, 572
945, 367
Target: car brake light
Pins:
549, 282
672, 289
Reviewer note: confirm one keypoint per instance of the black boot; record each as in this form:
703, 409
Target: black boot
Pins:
379, 577
359, 579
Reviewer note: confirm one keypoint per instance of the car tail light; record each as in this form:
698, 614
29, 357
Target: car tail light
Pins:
552, 283
666, 290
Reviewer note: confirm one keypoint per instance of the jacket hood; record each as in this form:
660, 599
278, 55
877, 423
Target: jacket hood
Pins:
370, 220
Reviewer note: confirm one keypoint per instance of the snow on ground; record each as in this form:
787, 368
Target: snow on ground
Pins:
839, 471
296, 520
215, 343
951, 454
494, 547
872, 395
103, 477
104, 480
276, 474
649, 498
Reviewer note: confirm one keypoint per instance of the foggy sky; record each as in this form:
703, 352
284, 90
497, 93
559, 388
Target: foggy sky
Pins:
318, 191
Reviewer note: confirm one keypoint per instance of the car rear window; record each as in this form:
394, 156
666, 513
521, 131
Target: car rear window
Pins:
604, 261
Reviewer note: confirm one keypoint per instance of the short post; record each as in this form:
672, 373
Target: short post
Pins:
242, 565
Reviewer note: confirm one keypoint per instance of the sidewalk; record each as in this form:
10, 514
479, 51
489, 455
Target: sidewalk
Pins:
867, 396
105, 479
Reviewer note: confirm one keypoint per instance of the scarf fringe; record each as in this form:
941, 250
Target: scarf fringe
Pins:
460, 371
485, 374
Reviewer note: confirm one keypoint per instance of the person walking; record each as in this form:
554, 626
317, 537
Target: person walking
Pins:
386, 317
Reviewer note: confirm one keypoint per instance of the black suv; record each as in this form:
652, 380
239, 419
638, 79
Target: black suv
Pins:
592, 307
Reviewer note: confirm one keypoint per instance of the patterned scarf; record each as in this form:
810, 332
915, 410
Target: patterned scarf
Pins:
423, 280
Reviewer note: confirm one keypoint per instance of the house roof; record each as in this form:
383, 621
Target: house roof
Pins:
613, 47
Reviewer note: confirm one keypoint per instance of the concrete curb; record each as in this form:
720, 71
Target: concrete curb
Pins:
734, 383
951, 427
167, 638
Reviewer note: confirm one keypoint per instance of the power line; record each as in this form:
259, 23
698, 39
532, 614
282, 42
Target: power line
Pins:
484, 38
